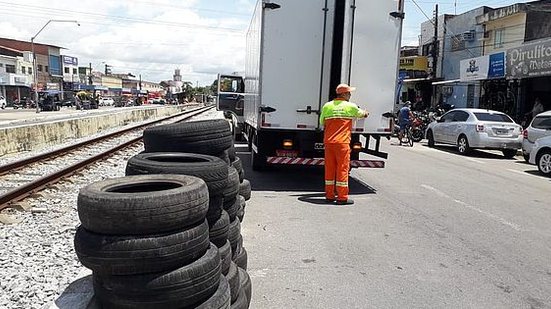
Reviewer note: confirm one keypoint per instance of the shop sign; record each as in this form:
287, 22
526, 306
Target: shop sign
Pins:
52, 86
18, 80
484, 67
70, 60
414, 63
530, 60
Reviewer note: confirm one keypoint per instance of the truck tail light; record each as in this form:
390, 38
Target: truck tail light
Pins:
357, 146
287, 144
479, 128
525, 134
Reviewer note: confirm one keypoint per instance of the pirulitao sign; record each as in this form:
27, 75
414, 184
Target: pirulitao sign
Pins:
530, 60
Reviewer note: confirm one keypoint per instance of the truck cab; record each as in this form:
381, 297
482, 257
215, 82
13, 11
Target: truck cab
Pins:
230, 100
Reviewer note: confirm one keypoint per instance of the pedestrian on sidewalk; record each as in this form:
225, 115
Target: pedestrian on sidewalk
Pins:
337, 117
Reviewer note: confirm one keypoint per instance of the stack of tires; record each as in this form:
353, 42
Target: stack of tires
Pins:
205, 149
146, 239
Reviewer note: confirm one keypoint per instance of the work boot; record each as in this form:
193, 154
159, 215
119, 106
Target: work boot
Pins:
347, 202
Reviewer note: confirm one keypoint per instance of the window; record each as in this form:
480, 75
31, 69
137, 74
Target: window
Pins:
1, 65
39, 68
448, 117
498, 38
10, 68
66, 70
23, 70
493, 117
542, 122
460, 116
74, 71
46, 69
30, 70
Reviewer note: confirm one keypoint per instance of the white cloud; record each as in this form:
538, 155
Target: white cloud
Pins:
145, 37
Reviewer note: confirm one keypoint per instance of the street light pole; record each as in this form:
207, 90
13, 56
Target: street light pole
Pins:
35, 73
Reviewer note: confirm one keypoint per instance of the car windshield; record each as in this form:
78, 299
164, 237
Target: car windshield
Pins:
493, 117
542, 122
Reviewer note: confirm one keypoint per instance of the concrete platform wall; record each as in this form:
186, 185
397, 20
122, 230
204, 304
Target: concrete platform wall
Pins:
36, 136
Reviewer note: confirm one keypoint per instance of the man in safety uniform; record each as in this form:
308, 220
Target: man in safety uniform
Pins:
337, 117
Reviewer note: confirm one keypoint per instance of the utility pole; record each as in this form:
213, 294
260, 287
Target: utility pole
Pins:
107, 69
90, 74
435, 44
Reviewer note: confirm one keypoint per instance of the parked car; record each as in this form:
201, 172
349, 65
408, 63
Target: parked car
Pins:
541, 155
538, 128
106, 102
3, 102
476, 128
69, 102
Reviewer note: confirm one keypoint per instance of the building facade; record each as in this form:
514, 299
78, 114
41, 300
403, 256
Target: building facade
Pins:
15, 74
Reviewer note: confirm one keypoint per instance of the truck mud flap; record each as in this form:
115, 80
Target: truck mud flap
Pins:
321, 162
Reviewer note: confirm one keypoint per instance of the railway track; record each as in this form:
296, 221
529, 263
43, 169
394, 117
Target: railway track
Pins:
24, 178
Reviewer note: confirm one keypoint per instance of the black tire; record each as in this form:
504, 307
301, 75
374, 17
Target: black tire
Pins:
241, 213
218, 232
417, 135
185, 287
241, 259
234, 234
131, 255
233, 280
215, 209
232, 186
240, 302
246, 284
205, 137
245, 189
221, 299
213, 170
238, 165
463, 145
410, 137
140, 205
225, 257
509, 153
224, 156
430, 138
233, 209
526, 157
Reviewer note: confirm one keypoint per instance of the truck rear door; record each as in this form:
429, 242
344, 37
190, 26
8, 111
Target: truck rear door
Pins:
373, 38
293, 74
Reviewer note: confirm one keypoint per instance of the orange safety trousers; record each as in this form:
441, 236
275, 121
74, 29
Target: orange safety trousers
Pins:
337, 165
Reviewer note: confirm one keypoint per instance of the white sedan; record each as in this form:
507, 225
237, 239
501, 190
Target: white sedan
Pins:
469, 128
541, 155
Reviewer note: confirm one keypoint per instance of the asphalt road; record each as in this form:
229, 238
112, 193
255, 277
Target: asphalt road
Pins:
432, 230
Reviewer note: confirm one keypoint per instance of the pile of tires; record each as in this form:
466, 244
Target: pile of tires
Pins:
204, 149
146, 239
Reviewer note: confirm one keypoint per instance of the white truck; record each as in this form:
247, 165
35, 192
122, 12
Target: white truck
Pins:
297, 53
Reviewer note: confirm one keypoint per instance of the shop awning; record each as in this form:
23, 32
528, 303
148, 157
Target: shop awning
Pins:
451, 81
414, 80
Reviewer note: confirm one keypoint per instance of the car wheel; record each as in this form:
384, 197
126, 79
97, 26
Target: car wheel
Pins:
544, 162
430, 138
509, 153
463, 145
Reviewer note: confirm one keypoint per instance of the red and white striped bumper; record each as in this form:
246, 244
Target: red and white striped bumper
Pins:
320, 162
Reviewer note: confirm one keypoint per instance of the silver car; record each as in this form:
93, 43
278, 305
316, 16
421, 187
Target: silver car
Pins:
538, 128
476, 128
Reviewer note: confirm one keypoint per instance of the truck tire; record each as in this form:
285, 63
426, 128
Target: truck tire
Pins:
246, 284
241, 213
225, 257
258, 161
221, 299
141, 205
233, 209
245, 189
241, 259
233, 280
232, 186
185, 287
213, 170
218, 232
239, 167
205, 137
224, 156
241, 301
133, 255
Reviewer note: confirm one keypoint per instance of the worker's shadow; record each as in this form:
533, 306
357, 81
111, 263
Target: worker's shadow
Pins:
309, 181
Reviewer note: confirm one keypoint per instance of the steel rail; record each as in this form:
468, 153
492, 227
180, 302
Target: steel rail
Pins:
10, 167
31, 188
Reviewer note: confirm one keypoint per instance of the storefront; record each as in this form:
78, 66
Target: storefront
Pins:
413, 84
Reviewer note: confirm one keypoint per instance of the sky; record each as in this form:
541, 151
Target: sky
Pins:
154, 37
